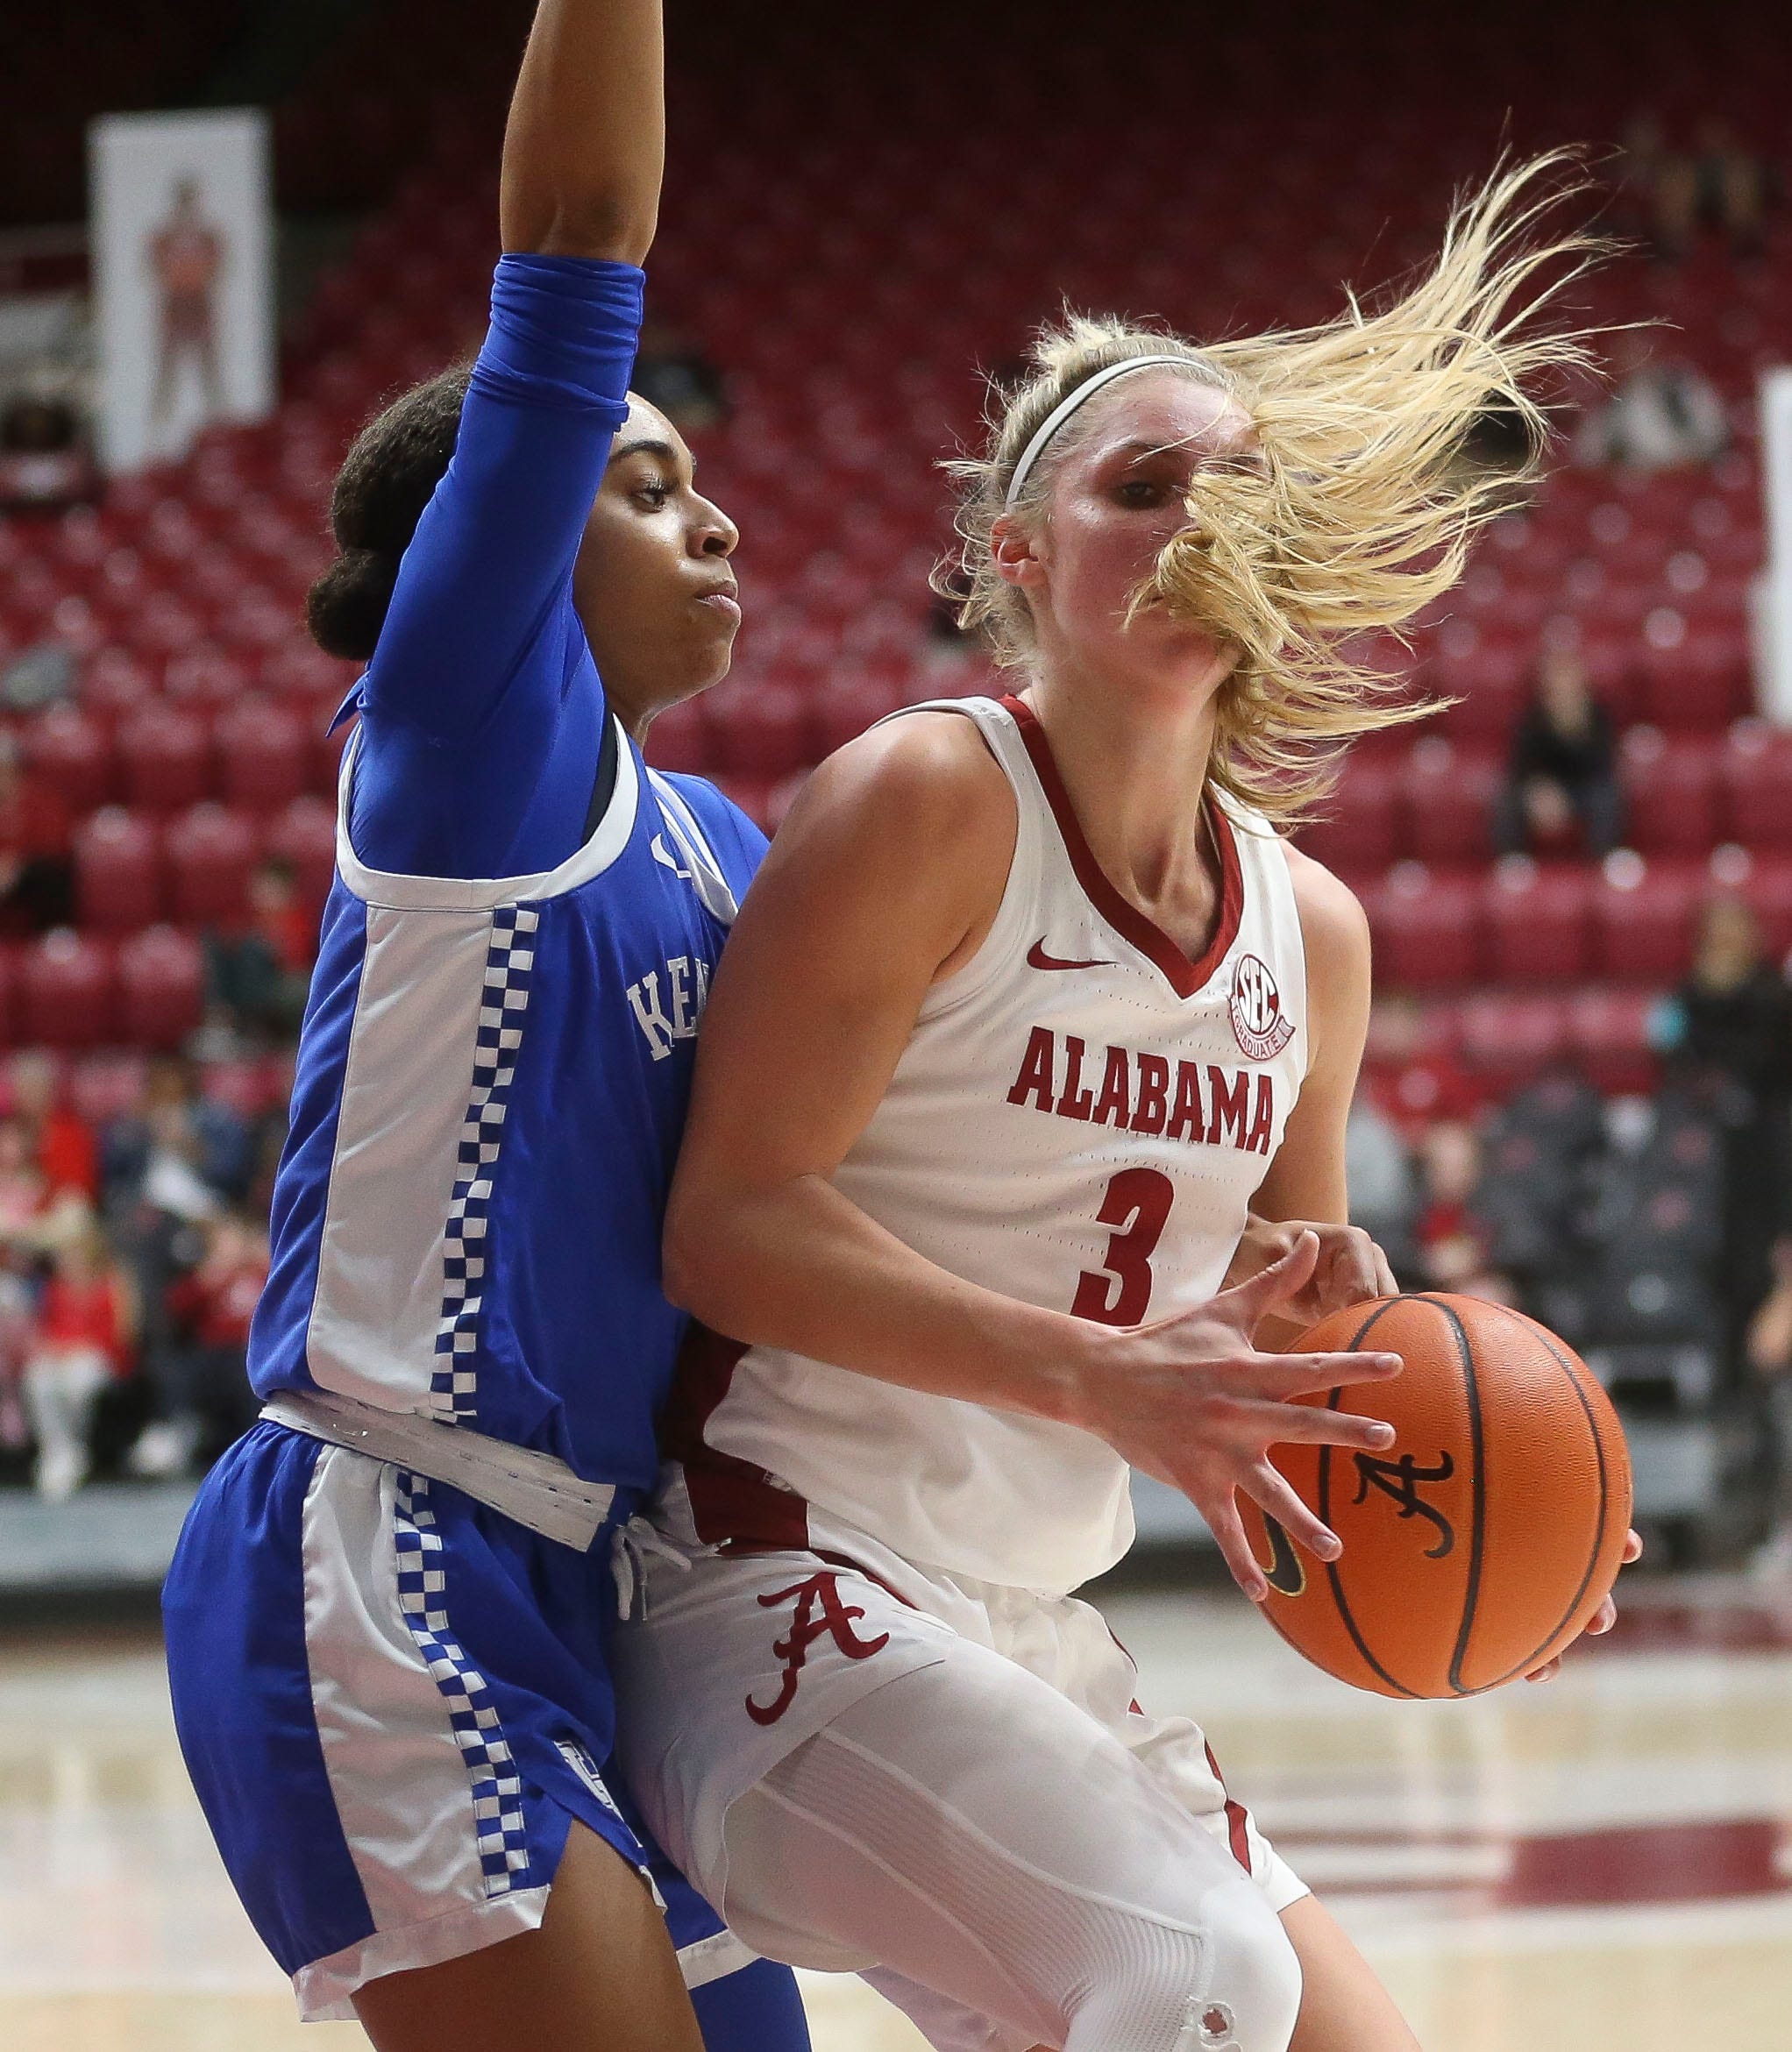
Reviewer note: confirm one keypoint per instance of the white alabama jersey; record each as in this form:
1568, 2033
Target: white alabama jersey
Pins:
1079, 1120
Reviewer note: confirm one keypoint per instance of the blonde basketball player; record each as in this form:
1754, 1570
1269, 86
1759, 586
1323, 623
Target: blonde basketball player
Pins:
1028, 1011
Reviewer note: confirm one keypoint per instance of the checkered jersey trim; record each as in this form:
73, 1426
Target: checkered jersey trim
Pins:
497, 1791
509, 968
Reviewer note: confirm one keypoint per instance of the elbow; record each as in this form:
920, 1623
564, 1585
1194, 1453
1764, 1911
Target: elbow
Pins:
688, 1251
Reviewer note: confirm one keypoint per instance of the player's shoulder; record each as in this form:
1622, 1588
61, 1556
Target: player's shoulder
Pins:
925, 783
734, 834
1333, 926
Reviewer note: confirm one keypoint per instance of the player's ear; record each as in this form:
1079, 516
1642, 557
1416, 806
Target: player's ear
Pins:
1012, 553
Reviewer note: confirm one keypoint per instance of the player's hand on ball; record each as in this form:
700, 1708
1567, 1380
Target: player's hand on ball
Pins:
1604, 1618
1350, 1269
1194, 1402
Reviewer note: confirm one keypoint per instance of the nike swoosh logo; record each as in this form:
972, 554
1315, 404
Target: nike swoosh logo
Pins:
1285, 1572
1037, 958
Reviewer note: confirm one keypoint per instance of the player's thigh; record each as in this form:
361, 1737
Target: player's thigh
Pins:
968, 1829
599, 1975
1343, 2006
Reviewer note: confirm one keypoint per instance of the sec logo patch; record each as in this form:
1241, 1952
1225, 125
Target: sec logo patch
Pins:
1259, 1024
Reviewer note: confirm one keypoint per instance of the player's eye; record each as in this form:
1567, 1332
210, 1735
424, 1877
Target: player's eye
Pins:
1140, 493
652, 495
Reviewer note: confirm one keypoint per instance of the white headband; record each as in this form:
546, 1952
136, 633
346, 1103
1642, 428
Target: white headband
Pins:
1079, 398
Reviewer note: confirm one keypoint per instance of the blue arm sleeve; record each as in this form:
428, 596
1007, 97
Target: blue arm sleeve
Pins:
481, 711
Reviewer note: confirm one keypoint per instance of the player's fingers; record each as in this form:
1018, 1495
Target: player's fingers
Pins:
1353, 1271
1272, 1492
1384, 1283
1604, 1618
1633, 1548
1228, 1529
1307, 1425
1245, 1302
1300, 1375
1547, 1672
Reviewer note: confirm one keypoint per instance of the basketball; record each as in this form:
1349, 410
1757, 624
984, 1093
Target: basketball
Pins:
1482, 1541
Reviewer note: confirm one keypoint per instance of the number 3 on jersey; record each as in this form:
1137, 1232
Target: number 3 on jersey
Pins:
1137, 1204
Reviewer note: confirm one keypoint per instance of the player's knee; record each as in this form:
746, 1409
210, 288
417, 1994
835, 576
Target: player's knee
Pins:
1231, 1985
1251, 1996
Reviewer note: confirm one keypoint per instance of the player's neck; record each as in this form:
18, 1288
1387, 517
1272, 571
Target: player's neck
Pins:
1134, 764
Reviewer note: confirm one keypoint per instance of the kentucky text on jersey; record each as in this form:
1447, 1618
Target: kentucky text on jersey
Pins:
1203, 1104
672, 1017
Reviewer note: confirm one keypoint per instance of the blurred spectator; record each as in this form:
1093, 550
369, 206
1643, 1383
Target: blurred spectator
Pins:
1379, 1177
22, 1187
1412, 1079
200, 1370
36, 867
1663, 415
183, 1154
44, 458
262, 973
1732, 188
1770, 1357
1454, 1243
84, 1339
62, 1142
16, 1310
1727, 1032
673, 373
1563, 766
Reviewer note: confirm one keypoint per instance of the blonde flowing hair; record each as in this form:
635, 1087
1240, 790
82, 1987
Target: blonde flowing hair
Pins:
1366, 499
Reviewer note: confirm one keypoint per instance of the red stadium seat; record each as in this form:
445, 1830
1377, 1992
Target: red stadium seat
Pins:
1670, 791
66, 990
264, 754
1450, 793
762, 730
117, 871
211, 850
116, 682
678, 739
1537, 922
1609, 1031
164, 758
304, 835
161, 987
105, 1087
1756, 768
9, 996
1643, 915
1426, 929
205, 676
1364, 825
845, 706
72, 752
1511, 1035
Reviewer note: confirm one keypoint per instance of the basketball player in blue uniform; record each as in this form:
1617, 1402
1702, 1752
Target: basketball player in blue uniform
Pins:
387, 1614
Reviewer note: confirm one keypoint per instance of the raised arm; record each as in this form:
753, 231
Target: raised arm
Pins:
887, 871
585, 146
483, 711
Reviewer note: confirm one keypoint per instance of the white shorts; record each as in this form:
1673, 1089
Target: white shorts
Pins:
731, 1662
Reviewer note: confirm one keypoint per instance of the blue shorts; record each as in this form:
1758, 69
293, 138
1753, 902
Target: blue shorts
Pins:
391, 1700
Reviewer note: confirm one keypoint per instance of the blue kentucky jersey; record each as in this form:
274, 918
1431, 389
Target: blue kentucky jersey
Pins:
492, 1084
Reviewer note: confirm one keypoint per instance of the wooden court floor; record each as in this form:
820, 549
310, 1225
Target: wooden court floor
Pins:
1604, 1864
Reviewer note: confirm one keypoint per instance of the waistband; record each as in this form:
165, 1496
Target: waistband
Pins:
537, 1490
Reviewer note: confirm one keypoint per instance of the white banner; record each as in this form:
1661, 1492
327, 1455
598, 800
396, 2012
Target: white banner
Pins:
181, 224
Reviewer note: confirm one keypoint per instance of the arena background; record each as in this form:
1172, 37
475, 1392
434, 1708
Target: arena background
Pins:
1581, 1064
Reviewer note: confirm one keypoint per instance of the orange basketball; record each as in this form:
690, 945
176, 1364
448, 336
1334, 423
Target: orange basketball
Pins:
1482, 1541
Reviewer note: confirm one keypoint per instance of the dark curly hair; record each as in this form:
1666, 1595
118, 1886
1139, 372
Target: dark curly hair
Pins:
387, 478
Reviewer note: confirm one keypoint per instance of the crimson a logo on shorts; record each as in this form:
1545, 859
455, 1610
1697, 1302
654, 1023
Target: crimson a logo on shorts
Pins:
1259, 1024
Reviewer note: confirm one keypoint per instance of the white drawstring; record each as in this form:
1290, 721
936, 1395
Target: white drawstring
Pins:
634, 1542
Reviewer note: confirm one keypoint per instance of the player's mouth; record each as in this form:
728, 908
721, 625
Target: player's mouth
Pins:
724, 599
